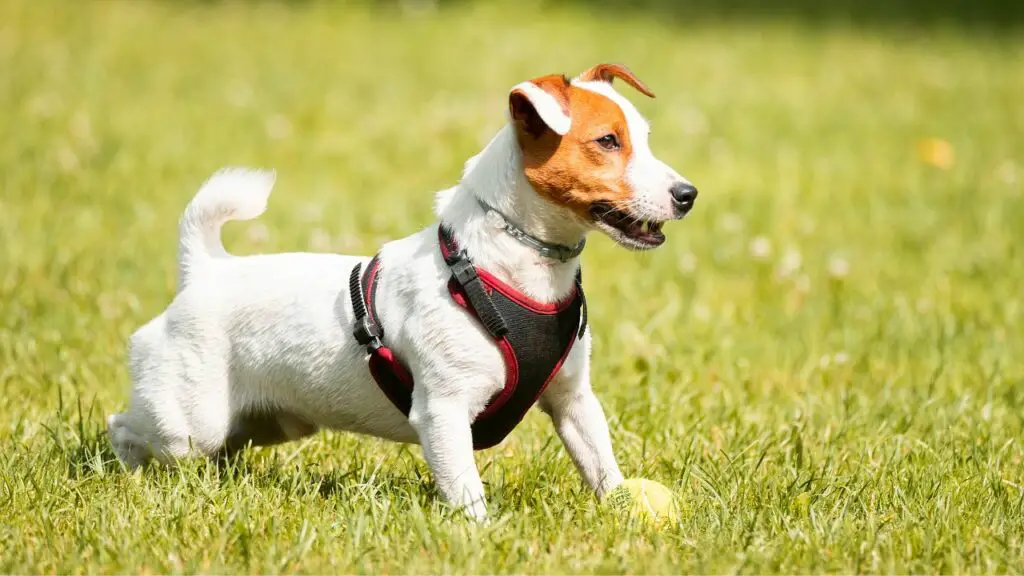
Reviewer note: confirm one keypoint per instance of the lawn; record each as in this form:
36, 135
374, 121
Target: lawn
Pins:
825, 361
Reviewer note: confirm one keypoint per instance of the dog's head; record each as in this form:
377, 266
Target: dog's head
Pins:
585, 148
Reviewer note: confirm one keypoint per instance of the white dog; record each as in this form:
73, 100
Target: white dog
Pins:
261, 349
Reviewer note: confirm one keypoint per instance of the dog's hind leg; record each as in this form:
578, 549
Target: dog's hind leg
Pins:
164, 427
180, 397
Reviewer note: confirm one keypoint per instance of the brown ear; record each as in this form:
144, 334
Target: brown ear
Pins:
541, 104
606, 72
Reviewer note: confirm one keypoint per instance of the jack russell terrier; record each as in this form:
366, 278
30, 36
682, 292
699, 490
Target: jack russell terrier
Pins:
446, 337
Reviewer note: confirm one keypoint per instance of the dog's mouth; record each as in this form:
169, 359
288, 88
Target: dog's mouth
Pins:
626, 229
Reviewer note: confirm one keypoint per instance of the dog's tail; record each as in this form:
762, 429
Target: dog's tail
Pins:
230, 194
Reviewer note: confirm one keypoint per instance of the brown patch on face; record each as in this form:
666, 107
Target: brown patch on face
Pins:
574, 170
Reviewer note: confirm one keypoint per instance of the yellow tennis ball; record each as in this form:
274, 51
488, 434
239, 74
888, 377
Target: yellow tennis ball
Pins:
643, 499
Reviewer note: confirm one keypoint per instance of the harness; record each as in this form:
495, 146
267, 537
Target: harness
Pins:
534, 338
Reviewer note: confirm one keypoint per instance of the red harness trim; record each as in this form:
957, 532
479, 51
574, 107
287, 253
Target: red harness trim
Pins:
511, 361
383, 363
491, 281
395, 380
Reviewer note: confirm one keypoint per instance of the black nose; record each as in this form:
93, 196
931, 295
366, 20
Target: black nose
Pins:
684, 195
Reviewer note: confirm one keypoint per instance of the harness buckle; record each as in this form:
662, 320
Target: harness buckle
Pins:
463, 269
368, 334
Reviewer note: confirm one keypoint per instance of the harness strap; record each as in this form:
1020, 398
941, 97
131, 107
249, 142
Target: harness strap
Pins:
355, 289
465, 274
583, 303
534, 338
367, 331
392, 377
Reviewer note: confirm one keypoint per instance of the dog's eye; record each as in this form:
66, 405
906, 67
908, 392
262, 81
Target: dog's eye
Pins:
608, 142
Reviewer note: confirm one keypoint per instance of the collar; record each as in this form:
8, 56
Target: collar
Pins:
559, 252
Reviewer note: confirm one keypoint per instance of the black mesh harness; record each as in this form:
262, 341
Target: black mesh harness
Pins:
534, 338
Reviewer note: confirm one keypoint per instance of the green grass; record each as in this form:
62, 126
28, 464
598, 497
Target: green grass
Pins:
824, 362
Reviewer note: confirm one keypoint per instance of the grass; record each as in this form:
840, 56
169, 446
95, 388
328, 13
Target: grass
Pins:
824, 362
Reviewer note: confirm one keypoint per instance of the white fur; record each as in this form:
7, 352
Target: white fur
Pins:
649, 177
546, 106
271, 335
230, 194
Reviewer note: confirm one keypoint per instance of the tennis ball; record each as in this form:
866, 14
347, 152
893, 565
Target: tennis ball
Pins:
643, 499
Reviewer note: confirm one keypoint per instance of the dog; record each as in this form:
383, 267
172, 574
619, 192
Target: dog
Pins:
263, 349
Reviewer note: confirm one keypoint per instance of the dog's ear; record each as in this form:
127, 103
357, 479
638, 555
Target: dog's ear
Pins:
607, 72
541, 104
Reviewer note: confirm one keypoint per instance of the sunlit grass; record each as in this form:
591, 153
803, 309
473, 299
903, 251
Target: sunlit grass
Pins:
824, 361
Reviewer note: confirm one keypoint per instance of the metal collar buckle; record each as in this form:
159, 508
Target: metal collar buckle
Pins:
558, 252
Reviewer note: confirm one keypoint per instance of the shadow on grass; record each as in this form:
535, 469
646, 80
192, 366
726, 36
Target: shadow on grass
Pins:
79, 440
86, 453
340, 484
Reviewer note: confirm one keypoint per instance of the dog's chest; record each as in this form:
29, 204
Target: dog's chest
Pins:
533, 339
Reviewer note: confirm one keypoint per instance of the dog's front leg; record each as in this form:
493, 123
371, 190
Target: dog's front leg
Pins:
444, 431
580, 421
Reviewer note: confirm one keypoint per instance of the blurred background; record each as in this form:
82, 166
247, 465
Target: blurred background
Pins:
843, 303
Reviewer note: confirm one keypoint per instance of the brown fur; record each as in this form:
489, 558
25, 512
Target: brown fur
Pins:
607, 72
573, 170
